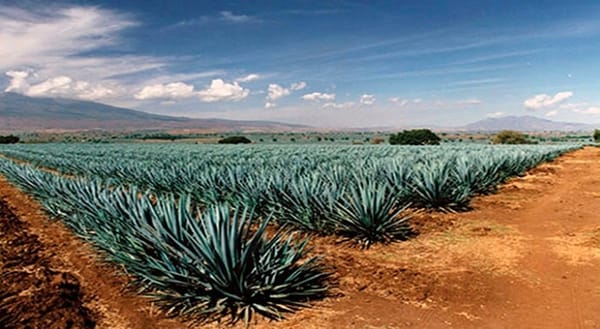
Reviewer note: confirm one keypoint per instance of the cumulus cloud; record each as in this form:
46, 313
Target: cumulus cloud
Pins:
317, 96
60, 86
220, 90
276, 91
552, 113
367, 99
172, 90
542, 101
249, 77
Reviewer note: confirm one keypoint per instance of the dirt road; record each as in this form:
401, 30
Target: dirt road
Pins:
526, 257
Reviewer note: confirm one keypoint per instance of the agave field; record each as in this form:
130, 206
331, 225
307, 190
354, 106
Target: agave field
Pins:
210, 231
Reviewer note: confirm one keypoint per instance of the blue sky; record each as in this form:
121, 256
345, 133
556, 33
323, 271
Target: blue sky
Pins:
322, 63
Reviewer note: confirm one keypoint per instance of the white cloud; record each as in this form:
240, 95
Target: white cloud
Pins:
495, 115
345, 105
32, 38
220, 90
249, 77
276, 91
541, 101
298, 85
46, 52
417, 100
367, 99
172, 90
317, 96
60, 86
552, 113
18, 81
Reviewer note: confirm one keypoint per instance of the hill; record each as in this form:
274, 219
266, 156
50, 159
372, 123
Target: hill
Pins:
525, 123
23, 113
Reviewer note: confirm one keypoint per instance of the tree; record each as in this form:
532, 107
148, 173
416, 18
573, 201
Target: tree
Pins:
415, 137
235, 140
10, 139
597, 135
510, 137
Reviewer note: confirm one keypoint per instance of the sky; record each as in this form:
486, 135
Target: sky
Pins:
322, 63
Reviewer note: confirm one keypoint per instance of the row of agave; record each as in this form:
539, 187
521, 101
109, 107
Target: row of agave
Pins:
443, 177
365, 203
204, 265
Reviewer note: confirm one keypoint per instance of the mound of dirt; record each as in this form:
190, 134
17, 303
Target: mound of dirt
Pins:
32, 294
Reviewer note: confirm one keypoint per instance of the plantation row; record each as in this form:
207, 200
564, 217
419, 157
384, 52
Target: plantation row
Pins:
259, 176
200, 265
189, 221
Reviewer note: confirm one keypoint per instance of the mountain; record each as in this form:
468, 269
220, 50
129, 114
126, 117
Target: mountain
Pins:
525, 123
23, 113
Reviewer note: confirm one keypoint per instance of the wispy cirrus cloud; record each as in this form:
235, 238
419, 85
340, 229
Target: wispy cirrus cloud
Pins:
46, 51
239, 18
222, 17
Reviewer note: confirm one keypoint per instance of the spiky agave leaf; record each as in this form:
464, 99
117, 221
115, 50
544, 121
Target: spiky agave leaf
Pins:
369, 215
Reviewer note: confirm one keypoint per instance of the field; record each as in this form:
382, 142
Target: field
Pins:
323, 235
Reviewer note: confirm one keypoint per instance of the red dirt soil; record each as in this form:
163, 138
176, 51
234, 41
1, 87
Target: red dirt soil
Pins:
526, 257
32, 294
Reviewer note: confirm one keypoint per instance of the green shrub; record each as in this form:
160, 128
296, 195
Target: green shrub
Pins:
10, 139
510, 137
415, 137
597, 135
235, 140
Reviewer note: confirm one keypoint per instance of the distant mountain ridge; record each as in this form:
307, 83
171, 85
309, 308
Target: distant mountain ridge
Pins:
23, 113
525, 123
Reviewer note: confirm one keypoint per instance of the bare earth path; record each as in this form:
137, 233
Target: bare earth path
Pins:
526, 257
